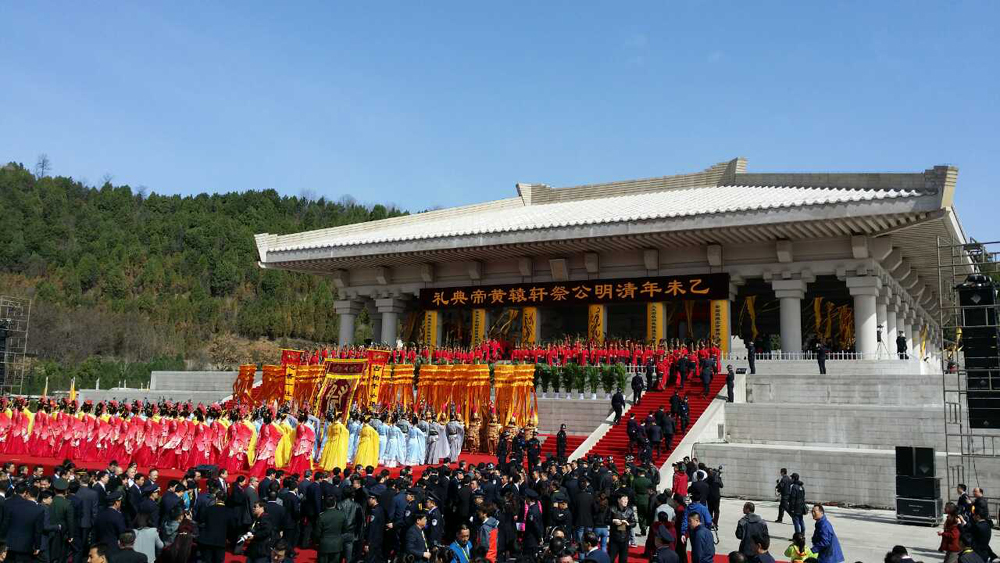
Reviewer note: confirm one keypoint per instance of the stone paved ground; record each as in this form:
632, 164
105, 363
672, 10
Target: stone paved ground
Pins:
865, 535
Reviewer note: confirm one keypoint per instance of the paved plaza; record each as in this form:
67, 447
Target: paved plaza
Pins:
865, 535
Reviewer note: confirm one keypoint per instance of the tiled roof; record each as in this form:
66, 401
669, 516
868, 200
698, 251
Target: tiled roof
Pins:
510, 215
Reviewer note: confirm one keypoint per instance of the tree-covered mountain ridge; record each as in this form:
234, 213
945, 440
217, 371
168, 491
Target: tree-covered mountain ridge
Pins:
121, 279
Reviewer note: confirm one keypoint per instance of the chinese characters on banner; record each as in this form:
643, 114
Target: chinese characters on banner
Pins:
720, 323
339, 385
529, 319
583, 292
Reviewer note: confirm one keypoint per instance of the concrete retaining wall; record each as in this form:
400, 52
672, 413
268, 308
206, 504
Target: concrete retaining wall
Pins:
895, 389
579, 416
852, 427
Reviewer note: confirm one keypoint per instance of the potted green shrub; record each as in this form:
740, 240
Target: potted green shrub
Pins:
621, 376
569, 378
556, 377
580, 381
594, 381
607, 380
544, 376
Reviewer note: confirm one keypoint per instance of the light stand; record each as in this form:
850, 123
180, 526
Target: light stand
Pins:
881, 345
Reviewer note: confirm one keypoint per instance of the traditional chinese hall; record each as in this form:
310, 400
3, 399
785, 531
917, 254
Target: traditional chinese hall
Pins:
782, 259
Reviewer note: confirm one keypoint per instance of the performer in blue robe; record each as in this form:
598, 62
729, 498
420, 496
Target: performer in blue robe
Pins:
416, 445
354, 430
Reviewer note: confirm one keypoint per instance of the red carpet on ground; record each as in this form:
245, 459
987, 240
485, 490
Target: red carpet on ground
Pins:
615, 442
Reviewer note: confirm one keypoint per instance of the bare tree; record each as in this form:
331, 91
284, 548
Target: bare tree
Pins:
42, 166
106, 179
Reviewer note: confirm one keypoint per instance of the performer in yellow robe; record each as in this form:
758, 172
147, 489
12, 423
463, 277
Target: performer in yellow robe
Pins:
283, 453
335, 447
367, 453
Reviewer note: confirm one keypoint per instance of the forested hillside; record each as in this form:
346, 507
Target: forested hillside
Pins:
122, 280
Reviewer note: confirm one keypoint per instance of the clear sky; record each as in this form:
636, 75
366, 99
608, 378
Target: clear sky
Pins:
435, 103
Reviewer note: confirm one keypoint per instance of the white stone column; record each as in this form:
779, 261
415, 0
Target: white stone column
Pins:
889, 336
790, 294
376, 319
911, 317
390, 309
347, 310
865, 290
881, 318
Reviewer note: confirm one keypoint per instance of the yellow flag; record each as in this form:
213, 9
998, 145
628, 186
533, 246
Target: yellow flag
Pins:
72, 389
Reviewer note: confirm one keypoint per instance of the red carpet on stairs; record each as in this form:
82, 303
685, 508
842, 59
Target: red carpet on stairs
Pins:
615, 442
549, 443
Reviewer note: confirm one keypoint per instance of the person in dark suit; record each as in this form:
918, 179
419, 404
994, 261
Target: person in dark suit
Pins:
730, 382
637, 387
330, 533
170, 499
213, 527
110, 523
293, 513
376, 531
751, 354
101, 487
618, 404
821, 351
276, 512
583, 516
632, 430
257, 542
655, 435
89, 503
416, 542
312, 505
592, 549
901, 346
22, 524
561, 443
126, 553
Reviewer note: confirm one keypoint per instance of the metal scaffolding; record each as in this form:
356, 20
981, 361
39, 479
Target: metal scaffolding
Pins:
14, 316
966, 443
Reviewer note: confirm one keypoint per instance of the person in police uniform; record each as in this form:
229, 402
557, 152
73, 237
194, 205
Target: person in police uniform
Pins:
435, 521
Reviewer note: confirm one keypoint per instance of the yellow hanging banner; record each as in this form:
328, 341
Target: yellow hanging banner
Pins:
529, 326
430, 329
596, 318
749, 302
818, 313
478, 326
655, 323
720, 323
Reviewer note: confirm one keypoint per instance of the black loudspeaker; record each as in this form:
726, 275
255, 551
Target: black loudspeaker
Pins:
904, 461
918, 487
923, 462
981, 348
918, 509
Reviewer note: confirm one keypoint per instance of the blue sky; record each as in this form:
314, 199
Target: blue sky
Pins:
435, 103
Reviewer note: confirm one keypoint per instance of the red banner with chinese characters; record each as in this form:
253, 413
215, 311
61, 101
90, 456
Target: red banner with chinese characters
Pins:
339, 386
581, 292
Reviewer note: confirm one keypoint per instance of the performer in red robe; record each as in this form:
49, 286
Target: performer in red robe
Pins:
302, 449
200, 452
20, 430
267, 444
5, 425
148, 447
172, 434
240, 438
38, 442
119, 434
